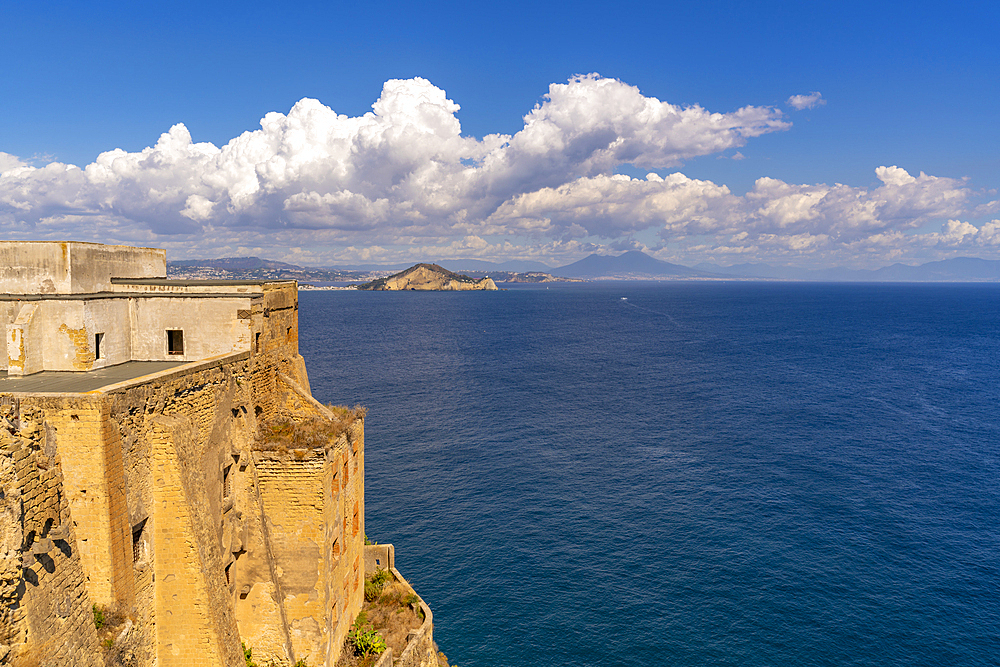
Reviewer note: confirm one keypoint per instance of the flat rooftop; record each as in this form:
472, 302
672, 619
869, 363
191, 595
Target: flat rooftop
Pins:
84, 381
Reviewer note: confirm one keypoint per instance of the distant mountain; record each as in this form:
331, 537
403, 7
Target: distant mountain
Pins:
631, 265
959, 269
971, 269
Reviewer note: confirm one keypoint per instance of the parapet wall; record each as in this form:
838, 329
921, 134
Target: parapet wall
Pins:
420, 650
48, 267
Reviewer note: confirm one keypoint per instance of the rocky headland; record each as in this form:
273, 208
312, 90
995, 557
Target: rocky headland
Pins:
429, 277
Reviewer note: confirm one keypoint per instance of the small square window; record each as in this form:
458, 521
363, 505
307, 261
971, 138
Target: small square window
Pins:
137, 550
175, 341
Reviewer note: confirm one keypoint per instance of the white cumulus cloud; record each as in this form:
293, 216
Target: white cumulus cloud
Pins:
608, 206
809, 101
9, 162
404, 169
403, 178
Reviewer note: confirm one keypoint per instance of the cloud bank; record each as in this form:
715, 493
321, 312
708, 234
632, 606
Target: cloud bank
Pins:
402, 180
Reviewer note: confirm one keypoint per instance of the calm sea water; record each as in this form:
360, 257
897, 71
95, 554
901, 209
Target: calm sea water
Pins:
702, 474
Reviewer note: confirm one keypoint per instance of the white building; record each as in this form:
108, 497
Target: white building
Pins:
70, 306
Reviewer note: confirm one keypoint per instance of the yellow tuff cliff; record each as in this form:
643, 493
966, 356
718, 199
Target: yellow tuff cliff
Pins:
173, 511
429, 277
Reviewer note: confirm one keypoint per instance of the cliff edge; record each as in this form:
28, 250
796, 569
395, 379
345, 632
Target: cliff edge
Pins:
429, 277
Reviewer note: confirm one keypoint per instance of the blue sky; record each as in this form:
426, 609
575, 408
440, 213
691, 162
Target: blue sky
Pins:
896, 159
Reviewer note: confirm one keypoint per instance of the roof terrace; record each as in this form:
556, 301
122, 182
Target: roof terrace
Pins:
77, 382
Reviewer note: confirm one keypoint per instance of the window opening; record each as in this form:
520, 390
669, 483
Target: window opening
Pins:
137, 542
175, 341
98, 339
256, 342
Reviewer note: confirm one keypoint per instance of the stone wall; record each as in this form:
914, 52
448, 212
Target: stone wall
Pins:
50, 322
210, 326
60, 334
153, 497
45, 267
312, 523
45, 608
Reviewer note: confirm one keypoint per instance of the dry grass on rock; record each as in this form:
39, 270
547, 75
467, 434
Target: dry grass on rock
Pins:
284, 435
394, 615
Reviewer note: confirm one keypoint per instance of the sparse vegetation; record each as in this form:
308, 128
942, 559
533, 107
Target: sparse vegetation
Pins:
375, 584
364, 639
117, 643
248, 655
316, 433
391, 614
108, 619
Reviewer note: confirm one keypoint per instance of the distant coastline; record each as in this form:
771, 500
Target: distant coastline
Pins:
632, 265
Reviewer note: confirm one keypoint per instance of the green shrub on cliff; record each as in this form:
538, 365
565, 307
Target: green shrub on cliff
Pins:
248, 655
375, 583
364, 639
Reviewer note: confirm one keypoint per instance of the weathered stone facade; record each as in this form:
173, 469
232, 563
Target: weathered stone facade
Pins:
160, 498
85, 306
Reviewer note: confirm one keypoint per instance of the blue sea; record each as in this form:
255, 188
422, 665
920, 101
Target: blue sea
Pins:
682, 473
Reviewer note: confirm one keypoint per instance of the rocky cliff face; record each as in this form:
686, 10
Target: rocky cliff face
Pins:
429, 277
